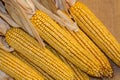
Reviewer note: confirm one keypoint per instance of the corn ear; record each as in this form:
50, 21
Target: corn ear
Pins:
89, 46
41, 57
79, 75
16, 68
65, 44
95, 29
28, 62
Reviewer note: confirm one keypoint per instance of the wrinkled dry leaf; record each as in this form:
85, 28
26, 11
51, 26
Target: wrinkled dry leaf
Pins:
58, 19
5, 16
4, 45
62, 5
28, 7
8, 19
2, 7
17, 12
4, 76
3, 26
3, 29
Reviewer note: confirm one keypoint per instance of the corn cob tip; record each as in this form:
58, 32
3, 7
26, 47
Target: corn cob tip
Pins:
108, 72
102, 72
95, 73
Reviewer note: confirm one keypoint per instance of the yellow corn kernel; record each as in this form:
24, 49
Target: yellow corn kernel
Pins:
95, 29
65, 44
16, 68
28, 62
41, 57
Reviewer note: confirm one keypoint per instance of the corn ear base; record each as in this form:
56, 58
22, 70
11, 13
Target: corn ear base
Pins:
42, 57
96, 30
16, 68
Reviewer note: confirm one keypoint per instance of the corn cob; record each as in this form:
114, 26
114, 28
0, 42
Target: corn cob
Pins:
16, 68
65, 44
41, 57
27, 61
88, 45
95, 29
79, 75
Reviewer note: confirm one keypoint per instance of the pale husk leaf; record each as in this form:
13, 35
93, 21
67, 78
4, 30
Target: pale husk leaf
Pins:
21, 15
57, 18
